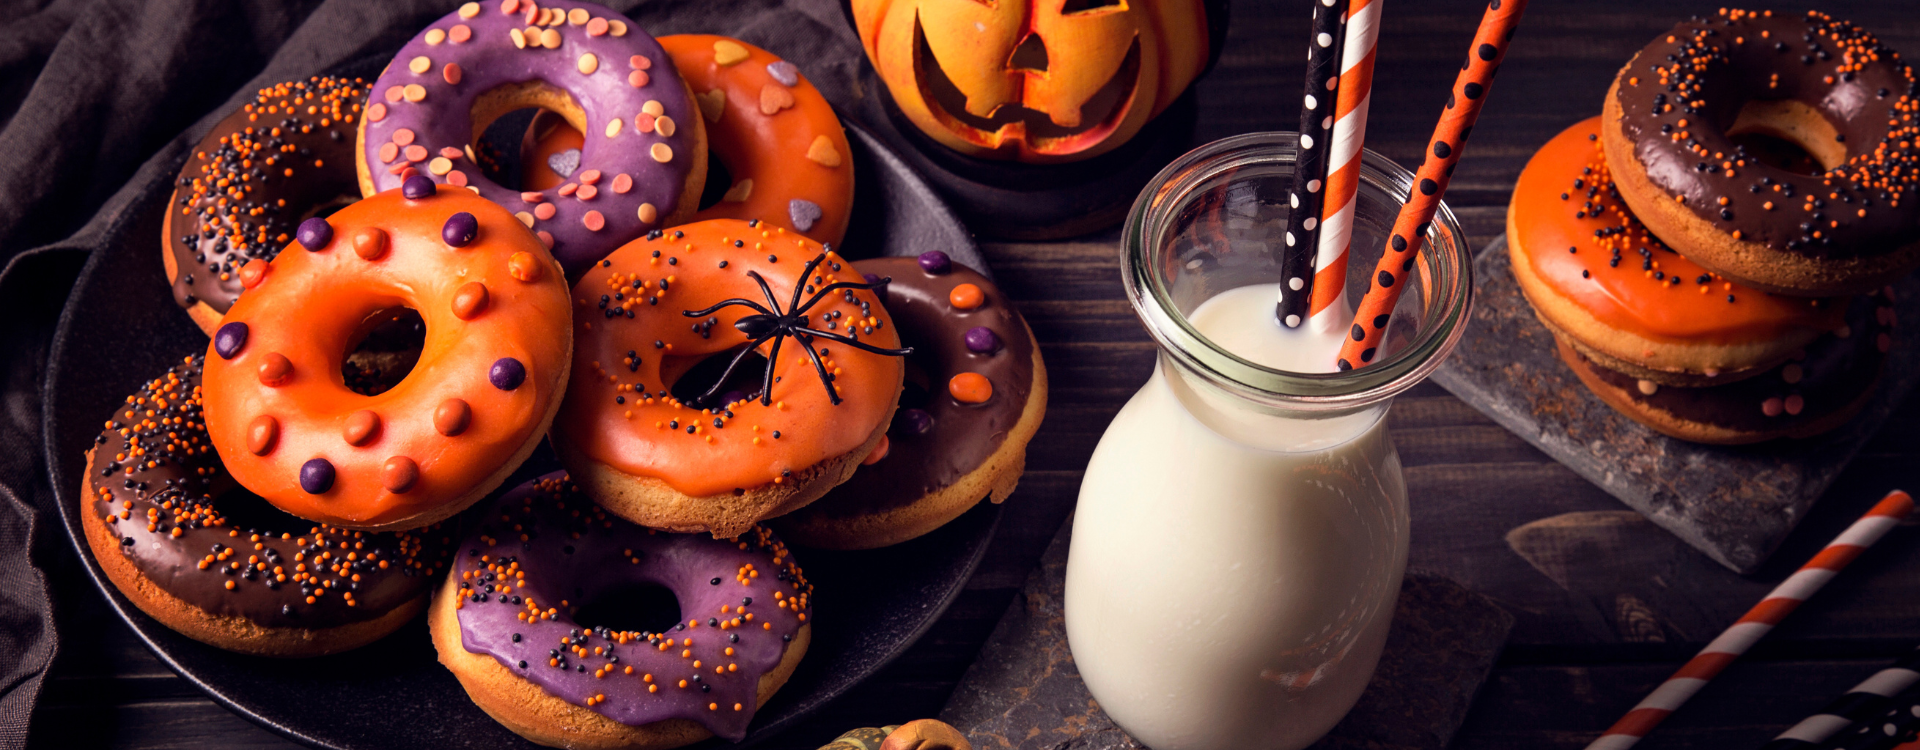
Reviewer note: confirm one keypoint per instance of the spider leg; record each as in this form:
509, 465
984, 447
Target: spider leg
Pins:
772, 301
729, 303
766, 385
794, 306
838, 285
825, 379
718, 384
856, 343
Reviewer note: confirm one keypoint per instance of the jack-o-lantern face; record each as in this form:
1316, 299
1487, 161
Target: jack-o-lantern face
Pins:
1033, 80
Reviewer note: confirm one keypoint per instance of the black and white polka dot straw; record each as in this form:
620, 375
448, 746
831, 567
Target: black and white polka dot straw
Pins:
1865, 701
1301, 241
1896, 726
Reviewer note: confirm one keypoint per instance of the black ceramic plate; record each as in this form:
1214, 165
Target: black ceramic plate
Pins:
121, 328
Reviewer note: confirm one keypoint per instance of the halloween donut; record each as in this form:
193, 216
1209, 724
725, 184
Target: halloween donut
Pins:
976, 392
175, 535
519, 623
739, 442
277, 160
1619, 296
485, 386
1819, 389
777, 136
1692, 126
642, 167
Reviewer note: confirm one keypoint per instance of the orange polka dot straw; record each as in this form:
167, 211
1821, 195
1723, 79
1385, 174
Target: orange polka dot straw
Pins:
1469, 94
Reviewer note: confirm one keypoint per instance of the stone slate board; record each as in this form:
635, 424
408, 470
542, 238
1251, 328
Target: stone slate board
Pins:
1023, 692
1735, 503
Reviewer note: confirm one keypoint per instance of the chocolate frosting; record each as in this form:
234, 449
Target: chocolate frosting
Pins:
1679, 95
1829, 375
640, 122
163, 493
544, 550
927, 455
255, 177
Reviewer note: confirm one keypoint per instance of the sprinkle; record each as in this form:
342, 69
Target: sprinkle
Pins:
647, 212
728, 52
436, 36
416, 93
653, 107
451, 73
550, 39
823, 153
663, 153
588, 62
420, 64
460, 33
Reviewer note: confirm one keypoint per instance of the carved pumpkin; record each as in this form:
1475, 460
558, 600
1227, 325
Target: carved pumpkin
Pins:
1033, 80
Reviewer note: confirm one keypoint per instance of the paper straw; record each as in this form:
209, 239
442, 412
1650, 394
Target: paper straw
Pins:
1469, 95
1328, 311
1317, 102
1863, 701
1756, 622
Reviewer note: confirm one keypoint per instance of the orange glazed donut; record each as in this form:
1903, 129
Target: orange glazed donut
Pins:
485, 388
777, 136
719, 455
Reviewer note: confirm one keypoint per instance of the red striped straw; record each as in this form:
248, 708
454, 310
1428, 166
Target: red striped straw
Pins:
1329, 310
1756, 623
1471, 89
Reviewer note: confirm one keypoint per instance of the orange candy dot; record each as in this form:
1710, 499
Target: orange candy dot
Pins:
970, 387
253, 273
879, 451
399, 474
274, 369
370, 243
525, 267
469, 300
262, 433
452, 416
361, 428
966, 296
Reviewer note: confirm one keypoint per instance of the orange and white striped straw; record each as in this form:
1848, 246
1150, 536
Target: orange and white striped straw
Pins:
1329, 310
1667, 698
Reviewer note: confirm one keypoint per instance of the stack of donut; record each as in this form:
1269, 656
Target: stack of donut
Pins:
394, 332
1713, 252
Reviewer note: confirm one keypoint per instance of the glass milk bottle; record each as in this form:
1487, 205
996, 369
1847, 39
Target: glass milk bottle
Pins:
1242, 526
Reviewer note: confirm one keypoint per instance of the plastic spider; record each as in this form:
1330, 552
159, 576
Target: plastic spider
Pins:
776, 324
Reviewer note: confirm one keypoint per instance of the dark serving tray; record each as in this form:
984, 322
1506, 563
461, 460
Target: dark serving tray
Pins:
1735, 503
121, 327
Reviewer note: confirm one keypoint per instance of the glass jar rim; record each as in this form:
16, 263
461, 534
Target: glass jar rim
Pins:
1448, 265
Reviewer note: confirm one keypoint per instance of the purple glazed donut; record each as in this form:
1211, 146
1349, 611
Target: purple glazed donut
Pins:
505, 624
644, 161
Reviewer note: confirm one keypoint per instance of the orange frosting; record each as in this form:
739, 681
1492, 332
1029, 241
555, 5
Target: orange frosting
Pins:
281, 401
785, 139
634, 343
1565, 199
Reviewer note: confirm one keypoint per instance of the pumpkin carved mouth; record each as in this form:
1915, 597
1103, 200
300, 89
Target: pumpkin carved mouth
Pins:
1014, 125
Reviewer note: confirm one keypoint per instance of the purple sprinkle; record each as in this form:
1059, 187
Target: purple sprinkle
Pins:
316, 476
314, 234
507, 373
915, 421
935, 262
784, 72
565, 162
981, 340
460, 229
803, 213
418, 187
230, 339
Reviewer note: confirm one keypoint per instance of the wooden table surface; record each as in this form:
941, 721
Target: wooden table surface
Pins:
1607, 605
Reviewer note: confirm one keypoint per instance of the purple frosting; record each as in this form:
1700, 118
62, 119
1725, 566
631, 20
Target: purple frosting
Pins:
507, 373
316, 476
460, 229
935, 262
572, 553
441, 124
982, 340
314, 234
230, 339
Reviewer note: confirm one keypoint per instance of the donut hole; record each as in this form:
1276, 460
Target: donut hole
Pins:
917, 390
522, 125
631, 608
1788, 135
248, 513
383, 350
692, 376
719, 181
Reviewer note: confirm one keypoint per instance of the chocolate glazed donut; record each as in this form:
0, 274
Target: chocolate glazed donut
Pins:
277, 160
1677, 114
157, 513
976, 393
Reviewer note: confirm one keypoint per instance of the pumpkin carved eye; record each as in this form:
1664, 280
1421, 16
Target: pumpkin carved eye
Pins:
1030, 55
1071, 7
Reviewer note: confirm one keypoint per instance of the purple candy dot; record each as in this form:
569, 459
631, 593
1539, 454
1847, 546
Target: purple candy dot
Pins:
230, 339
981, 340
316, 476
460, 229
935, 262
314, 234
507, 373
418, 187
872, 278
915, 421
